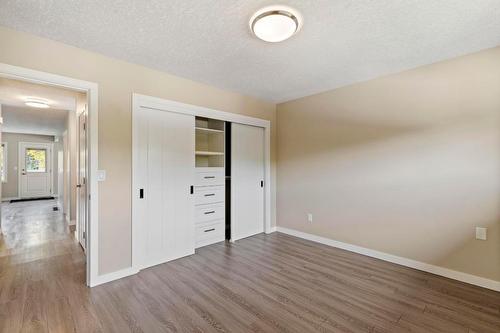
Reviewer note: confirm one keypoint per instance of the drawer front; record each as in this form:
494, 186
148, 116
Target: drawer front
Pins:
210, 194
210, 178
211, 212
209, 233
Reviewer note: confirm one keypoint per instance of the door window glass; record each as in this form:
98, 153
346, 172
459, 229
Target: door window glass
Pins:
36, 160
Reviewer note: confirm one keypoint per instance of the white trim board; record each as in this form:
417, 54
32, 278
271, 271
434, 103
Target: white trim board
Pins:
445, 272
142, 101
10, 198
105, 278
92, 90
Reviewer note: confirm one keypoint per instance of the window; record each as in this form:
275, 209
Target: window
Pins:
3, 162
36, 160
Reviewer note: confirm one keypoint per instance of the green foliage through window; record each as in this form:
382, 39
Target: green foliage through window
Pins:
36, 160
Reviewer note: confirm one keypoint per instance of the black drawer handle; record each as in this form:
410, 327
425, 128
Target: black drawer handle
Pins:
209, 177
208, 230
210, 195
210, 212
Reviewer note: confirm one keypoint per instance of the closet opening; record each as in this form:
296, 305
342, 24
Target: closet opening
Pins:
210, 185
210, 168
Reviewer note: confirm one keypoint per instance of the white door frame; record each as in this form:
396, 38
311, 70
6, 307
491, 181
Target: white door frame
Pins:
91, 89
142, 101
21, 160
80, 187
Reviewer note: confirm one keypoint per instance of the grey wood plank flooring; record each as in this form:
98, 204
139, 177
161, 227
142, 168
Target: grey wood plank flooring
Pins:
265, 283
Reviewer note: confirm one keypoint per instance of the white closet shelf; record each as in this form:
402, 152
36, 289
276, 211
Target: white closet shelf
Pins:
208, 153
208, 130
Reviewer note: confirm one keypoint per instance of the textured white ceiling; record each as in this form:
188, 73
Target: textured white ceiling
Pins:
15, 93
18, 118
342, 41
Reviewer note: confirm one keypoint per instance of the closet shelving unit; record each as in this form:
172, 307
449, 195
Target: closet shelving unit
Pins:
209, 143
210, 181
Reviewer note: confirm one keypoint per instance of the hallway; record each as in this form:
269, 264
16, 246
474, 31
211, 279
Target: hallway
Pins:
42, 268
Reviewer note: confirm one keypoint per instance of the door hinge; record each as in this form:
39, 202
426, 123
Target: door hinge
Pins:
84, 126
89, 196
83, 180
84, 235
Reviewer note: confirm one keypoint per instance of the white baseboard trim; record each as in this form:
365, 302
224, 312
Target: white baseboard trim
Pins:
273, 229
10, 198
446, 272
105, 278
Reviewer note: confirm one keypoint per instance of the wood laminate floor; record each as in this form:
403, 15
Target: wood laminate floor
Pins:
266, 283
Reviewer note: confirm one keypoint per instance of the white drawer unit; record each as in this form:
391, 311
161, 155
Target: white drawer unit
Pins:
209, 233
209, 194
206, 213
210, 176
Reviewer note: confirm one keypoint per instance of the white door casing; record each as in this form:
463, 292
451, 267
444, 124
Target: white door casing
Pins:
35, 179
165, 144
93, 277
247, 181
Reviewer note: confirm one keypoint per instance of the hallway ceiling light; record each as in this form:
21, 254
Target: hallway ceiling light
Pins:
37, 103
275, 23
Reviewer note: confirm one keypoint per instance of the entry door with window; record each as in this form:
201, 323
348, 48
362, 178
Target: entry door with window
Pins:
35, 169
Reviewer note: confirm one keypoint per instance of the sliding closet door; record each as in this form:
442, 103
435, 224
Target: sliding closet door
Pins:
247, 177
164, 171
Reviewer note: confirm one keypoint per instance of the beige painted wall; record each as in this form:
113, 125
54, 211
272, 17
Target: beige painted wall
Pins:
117, 81
407, 164
10, 188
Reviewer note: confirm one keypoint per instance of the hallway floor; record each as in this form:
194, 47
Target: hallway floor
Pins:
42, 268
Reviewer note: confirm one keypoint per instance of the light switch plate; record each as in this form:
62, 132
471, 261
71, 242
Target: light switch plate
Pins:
101, 175
481, 233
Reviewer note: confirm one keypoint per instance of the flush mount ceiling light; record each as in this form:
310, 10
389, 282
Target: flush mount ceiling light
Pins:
275, 23
37, 103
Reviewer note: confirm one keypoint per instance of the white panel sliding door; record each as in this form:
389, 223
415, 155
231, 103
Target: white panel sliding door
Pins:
164, 172
247, 181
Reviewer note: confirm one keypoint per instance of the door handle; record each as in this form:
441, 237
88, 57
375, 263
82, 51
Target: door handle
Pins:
79, 185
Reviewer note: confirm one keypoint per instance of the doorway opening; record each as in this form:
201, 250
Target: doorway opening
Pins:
45, 168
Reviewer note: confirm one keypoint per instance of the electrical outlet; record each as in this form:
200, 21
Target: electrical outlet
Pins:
309, 217
481, 233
